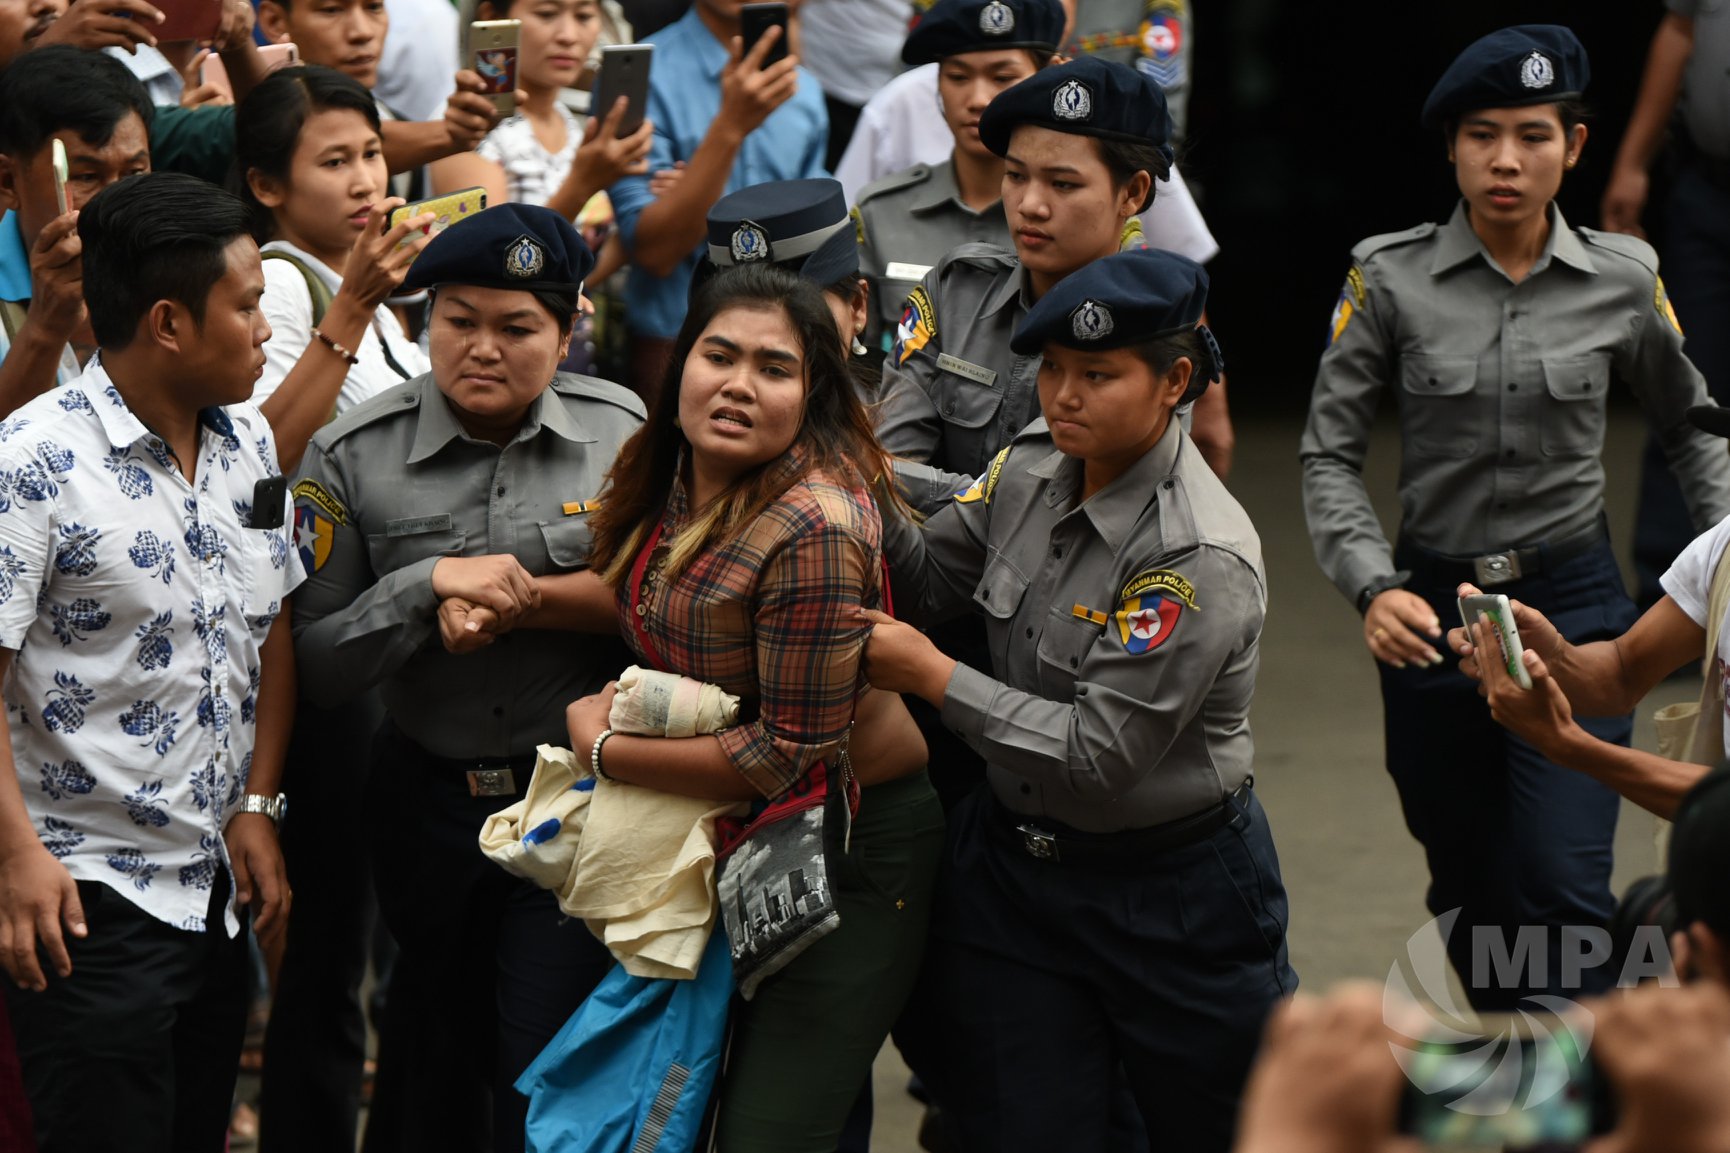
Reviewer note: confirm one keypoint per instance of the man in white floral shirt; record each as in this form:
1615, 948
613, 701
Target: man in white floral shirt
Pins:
149, 683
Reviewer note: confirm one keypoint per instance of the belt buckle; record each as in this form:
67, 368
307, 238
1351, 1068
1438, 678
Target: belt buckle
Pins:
492, 783
1038, 843
1498, 568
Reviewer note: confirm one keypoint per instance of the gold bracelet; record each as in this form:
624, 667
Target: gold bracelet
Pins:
335, 347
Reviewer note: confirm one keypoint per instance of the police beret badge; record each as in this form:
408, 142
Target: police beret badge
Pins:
1091, 320
1073, 100
525, 258
1537, 72
750, 243
996, 19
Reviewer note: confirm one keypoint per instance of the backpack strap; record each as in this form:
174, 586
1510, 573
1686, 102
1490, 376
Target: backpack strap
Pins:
315, 285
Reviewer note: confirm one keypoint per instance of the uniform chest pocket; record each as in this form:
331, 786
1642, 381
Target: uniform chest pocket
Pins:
1063, 646
963, 401
567, 543
1439, 415
1000, 589
1573, 423
390, 552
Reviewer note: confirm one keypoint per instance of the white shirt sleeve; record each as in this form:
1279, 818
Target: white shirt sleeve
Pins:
1174, 223
288, 307
1689, 581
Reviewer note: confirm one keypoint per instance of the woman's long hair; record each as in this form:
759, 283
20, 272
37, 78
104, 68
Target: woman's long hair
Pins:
835, 435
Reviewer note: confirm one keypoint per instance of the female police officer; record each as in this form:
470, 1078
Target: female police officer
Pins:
468, 482
1113, 894
1497, 334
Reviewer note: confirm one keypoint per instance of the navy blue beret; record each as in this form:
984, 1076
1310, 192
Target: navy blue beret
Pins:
1526, 64
802, 225
1120, 300
1088, 96
956, 26
521, 246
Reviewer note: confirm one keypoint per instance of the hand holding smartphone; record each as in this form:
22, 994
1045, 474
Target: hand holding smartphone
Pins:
757, 19
624, 72
447, 209
1501, 618
62, 172
493, 46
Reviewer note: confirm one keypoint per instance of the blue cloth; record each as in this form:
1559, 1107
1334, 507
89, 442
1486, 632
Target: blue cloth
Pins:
684, 100
1512, 839
640, 1053
14, 260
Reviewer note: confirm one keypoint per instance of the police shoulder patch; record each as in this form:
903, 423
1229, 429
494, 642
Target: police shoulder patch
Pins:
918, 325
1661, 301
314, 536
319, 497
1351, 302
1151, 604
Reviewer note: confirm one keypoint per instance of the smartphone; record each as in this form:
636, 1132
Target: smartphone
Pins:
275, 56
1501, 614
187, 19
756, 19
624, 72
1530, 1083
449, 209
493, 45
62, 172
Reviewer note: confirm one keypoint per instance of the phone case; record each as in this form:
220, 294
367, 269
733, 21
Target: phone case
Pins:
755, 20
188, 20
624, 72
275, 56
1501, 615
494, 46
450, 209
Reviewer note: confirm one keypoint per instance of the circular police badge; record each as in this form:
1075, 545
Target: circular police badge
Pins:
1536, 71
996, 19
525, 258
1091, 320
750, 243
1072, 101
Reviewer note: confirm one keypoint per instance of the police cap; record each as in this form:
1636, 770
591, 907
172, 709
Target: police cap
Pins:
522, 246
802, 225
1525, 64
1088, 96
953, 27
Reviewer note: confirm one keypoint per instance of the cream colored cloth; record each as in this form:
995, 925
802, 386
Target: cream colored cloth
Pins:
636, 865
656, 704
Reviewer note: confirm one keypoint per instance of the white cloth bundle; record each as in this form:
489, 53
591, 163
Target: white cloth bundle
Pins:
656, 704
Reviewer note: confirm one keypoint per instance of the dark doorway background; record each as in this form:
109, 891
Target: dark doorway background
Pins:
1303, 139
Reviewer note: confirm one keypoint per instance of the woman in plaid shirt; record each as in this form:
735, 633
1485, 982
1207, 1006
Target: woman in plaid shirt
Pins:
736, 539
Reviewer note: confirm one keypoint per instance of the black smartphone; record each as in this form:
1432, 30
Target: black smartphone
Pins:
268, 497
624, 72
756, 19
1529, 1084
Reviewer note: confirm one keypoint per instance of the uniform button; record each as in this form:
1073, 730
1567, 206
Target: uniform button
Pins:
1509, 454
1501, 504
949, 408
984, 594
1057, 551
501, 490
1513, 388
1432, 382
1030, 633
1074, 662
1584, 385
1026, 790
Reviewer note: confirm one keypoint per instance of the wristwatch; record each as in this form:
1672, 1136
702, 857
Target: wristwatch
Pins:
275, 807
1379, 586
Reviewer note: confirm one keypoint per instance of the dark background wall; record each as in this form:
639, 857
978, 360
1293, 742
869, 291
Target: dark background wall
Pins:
1303, 138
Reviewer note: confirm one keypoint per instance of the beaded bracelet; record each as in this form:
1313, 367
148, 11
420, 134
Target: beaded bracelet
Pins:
595, 755
335, 347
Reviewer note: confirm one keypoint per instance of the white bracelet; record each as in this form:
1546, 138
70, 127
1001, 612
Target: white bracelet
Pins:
595, 755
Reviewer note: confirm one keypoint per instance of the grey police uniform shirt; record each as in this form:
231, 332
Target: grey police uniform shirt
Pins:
1705, 99
1162, 53
905, 222
393, 485
1124, 631
1500, 390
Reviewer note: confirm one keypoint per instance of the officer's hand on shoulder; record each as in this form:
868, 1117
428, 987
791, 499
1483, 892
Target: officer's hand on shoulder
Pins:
1399, 629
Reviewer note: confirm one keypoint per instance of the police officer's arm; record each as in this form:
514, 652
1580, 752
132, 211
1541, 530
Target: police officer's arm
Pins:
1667, 385
935, 566
1129, 706
908, 424
354, 627
809, 648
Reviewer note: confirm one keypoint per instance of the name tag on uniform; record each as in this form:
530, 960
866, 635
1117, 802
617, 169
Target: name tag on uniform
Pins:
410, 526
967, 368
900, 271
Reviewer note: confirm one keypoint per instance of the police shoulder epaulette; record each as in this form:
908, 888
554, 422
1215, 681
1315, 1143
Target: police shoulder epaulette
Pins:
594, 388
1622, 244
1364, 249
906, 178
978, 254
405, 397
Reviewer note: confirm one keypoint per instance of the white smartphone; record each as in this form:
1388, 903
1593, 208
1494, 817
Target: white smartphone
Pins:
1501, 614
62, 173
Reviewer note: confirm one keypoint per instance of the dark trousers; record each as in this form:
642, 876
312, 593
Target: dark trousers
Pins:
1697, 275
138, 1049
1519, 846
315, 1047
1055, 975
488, 968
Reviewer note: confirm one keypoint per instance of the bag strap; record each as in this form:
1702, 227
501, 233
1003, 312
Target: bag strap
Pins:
315, 285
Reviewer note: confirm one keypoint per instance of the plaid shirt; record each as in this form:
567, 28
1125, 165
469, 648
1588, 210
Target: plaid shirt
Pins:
767, 614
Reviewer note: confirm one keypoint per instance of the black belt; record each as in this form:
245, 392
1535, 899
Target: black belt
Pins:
1499, 568
488, 776
1073, 847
